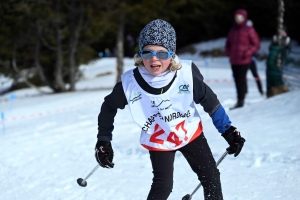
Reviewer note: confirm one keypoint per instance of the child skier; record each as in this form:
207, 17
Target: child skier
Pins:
161, 93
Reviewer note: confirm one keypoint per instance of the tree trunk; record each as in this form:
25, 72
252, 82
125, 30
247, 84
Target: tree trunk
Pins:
73, 42
59, 57
279, 29
275, 83
72, 62
120, 48
280, 21
37, 52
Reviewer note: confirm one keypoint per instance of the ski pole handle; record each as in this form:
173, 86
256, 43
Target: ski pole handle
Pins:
82, 182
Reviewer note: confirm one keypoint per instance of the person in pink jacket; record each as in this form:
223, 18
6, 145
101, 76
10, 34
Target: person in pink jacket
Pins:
242, 42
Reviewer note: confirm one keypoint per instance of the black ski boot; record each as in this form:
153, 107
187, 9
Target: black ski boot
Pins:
239, 104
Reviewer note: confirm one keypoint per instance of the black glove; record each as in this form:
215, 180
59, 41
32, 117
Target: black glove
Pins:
104, 154
235, 141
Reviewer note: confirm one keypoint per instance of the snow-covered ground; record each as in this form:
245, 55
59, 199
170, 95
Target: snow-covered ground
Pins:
47, 142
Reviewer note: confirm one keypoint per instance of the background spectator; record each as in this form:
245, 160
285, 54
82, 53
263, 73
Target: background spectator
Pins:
242, 42
285, 39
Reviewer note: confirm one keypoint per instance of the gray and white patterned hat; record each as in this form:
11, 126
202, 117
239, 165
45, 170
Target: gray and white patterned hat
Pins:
158, 32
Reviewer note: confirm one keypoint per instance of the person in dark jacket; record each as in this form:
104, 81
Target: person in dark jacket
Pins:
161, 93
242, 42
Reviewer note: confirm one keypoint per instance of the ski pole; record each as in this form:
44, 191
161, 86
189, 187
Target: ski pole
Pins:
82, 182
189, 196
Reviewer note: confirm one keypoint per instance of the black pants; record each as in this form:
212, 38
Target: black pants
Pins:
199, 157
239, 73
256, 76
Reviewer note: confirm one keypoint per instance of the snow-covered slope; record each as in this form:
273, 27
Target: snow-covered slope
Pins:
47, 142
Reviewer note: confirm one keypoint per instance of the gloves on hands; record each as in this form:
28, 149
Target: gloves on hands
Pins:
104, 154
235, 141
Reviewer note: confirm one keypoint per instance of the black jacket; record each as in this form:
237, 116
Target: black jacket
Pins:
116, 99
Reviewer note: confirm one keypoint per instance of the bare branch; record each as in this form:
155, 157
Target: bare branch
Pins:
26, 75
45, 43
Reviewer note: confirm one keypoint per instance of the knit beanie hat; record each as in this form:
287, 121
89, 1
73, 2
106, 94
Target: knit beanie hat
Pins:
158, 32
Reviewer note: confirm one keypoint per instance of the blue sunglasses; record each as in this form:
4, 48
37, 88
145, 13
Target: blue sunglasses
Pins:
161, 55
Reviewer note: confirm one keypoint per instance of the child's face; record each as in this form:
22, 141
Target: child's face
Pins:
154, 65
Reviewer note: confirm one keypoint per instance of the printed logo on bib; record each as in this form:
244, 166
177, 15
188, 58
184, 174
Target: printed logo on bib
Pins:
160, 136
163, 105
184, 88
135, 97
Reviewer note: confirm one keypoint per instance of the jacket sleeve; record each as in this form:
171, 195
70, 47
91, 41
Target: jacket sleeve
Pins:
116, 99
254, 42
204, 96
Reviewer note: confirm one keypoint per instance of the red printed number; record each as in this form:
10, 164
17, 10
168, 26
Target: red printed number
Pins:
181, 124
172, 137
154, 138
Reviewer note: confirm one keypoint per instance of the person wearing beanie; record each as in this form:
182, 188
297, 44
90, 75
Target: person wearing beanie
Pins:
161, 93
242, 42
285, 39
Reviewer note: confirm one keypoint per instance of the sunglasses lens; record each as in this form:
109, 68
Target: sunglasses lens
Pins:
163, 55
146, 54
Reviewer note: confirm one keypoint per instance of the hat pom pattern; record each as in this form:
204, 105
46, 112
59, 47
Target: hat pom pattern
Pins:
158, 32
